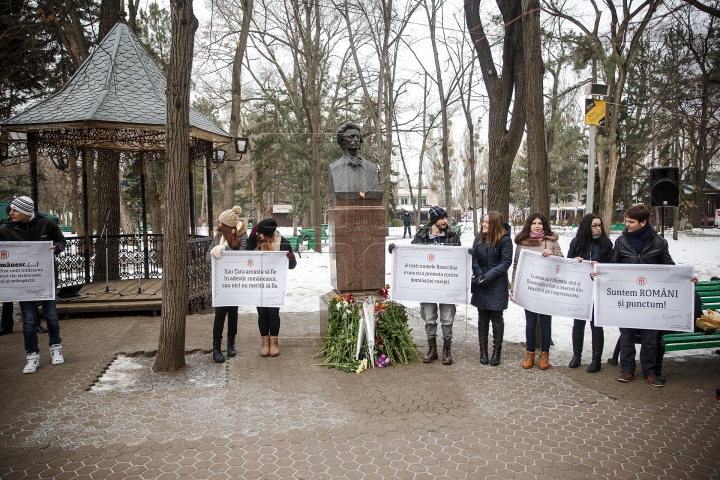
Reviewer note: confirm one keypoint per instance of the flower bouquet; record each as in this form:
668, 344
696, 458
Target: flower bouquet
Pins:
393, 344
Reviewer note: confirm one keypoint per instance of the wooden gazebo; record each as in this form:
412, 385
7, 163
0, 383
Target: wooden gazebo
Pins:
116, 101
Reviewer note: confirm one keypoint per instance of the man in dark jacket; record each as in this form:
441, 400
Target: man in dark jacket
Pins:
437, 232
640, 243
30, 226
407, 220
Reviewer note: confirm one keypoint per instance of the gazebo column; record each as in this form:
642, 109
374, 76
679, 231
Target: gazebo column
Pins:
146, 260
32, 151
191, 189
86, 219
209, 187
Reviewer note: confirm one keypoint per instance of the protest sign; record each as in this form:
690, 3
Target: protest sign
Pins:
431, 273
26, 271
256, 278
654, 297
553, 285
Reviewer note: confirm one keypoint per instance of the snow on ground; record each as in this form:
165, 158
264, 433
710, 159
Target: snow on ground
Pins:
311, 279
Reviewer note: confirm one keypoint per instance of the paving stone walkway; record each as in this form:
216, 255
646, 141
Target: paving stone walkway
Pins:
284, 417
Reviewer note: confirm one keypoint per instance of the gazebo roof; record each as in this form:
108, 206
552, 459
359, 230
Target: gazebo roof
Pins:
118, 87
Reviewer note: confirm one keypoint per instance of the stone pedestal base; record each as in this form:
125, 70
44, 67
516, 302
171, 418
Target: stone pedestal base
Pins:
356, 231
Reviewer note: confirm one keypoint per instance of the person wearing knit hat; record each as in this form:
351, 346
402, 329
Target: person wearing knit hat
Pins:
29, 226
265, 236
436, 232
230, 233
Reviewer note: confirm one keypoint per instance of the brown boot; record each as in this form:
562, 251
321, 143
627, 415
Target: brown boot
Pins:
265, 349
529, 360
544, 361
274, 348
432, 354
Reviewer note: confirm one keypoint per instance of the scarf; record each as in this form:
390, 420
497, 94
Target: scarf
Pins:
538, 236
640, 237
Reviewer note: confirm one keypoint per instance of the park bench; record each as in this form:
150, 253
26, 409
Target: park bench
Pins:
709, 293
308, 235
458, 229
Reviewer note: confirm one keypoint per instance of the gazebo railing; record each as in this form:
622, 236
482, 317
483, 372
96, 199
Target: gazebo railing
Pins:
129, 260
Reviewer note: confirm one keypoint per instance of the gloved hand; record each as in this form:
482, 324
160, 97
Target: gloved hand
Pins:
217, 250
391, 247
480, 280
290, 255
472, 252
253, 232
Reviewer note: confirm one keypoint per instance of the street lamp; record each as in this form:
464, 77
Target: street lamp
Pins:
482, 187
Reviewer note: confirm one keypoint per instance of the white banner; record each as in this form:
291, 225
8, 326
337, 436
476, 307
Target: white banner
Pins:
26, 271
256, 278
554, 285
651, 297
431, 273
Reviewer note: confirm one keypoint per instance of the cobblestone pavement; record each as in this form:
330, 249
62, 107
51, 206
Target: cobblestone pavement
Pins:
285, 417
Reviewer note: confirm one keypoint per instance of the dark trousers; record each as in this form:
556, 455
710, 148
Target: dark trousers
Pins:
531, 320
7, 316
490, 316
648, 350
407, 229
581, 324
269, 321
219, 324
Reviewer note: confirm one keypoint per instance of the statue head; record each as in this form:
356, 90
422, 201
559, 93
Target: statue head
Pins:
348, 137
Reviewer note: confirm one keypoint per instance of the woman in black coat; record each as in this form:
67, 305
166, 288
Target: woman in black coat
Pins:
590, 243
492, 256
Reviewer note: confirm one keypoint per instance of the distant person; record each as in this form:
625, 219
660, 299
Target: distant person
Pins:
437, 232
29, 226
265, 236
492, 253
230, 233
639, 243
407, 221
590, 243
537, 237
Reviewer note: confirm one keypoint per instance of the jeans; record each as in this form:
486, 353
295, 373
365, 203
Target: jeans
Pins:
531, 319
407, 229
29, 314
429, 313
268, 321
648, 350
219, 323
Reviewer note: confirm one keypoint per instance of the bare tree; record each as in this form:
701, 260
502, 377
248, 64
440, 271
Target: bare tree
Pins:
505, 90
171, 345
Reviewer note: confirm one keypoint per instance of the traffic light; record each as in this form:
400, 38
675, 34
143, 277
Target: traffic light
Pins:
664, 186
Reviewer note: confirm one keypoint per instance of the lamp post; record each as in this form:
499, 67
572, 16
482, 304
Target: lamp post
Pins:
482, 187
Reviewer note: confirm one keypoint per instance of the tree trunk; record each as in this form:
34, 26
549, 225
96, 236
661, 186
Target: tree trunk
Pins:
153, 197
75, 199
109, 16
171, 345
108, 215
534, 107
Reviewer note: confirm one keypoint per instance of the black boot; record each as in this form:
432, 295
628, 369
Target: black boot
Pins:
447, 354
432, 351
217, 354
231, 346
598, 340
498, 332
40, 329
483, 327
577, 342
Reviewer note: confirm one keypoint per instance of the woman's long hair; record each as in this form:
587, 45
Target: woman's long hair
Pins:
228, 234
525, 232
584, 238
496, 228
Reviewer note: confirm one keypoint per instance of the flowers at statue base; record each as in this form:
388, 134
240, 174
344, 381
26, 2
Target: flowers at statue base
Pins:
393, 343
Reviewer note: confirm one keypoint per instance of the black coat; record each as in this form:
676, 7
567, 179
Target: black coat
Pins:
39, 229
284, 247
406, 219
493, 261
422, 237
592, 253
655, 251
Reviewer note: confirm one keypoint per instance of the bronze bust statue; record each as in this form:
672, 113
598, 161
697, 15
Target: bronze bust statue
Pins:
352, 177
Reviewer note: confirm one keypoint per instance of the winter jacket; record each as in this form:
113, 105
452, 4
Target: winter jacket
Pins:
655, 251
219, 237
422, 237
406, 219
493, 261
280, 243
537, 245
592, 253
39, 229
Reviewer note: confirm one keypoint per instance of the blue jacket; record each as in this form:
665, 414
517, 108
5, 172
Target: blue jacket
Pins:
493, 261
